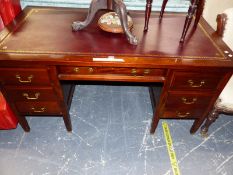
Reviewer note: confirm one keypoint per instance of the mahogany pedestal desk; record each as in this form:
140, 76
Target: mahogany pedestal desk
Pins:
40, 57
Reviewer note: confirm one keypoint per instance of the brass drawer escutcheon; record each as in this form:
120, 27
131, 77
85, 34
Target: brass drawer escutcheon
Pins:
188, 102
76, 70
29, 79
192, 84
182, 115
134, 72
147, 71
31, 98
90, 70
41, 110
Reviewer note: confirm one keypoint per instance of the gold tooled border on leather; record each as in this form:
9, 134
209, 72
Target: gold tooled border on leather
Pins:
4, 38
4, 49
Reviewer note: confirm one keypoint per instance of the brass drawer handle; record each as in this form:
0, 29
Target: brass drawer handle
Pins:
90, 70
192, 84
146, 71
187, 102
31, 98
76, 69
41, 110
134, 71
179, 114
29, 79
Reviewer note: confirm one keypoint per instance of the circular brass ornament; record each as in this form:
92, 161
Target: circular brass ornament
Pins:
110, 22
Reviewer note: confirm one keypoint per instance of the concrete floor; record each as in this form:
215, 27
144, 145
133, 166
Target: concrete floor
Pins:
111, 137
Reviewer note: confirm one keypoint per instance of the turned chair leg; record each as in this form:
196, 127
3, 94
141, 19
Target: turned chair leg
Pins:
188, 19
210, 119
147, 14
197, 6
199, 11
163, 8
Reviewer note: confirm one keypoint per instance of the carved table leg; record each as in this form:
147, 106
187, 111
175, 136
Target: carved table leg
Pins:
94, 7
147, 13
120, 8
117, 5
163, 8
188, 20
210, 119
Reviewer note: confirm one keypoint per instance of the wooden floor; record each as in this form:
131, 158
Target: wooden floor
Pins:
111, 136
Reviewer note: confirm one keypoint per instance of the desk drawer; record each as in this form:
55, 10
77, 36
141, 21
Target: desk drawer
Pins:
183, 113
192, 100
195, 81
31, 94
186, 105
108, 71
24, 76
38, 108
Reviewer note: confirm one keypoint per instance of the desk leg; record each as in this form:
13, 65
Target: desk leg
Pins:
21, 119
24, 124
67, 121
154, 123
147, 13
155, 119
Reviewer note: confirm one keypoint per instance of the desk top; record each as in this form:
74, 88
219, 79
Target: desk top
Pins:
45, 34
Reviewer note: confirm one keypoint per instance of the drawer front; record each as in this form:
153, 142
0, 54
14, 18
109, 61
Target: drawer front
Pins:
38, 108
111, 71
27, 76
31, 94
183, 113
186, 105
196, 100
195, 81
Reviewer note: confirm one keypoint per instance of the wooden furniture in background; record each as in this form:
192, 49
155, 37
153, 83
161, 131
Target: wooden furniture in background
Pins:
1, 23
9, 9
224, 103
115, 5
40, 58
195, 6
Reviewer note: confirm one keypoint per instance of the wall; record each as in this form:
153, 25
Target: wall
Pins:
213, 8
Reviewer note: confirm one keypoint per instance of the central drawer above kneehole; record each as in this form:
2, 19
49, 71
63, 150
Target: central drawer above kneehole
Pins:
120, 72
